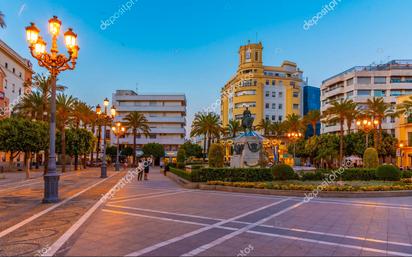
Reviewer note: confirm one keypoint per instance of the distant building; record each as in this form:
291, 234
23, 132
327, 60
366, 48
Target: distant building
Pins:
403, 133
311, 102
270, 92
360, 83
166, 115
15, 71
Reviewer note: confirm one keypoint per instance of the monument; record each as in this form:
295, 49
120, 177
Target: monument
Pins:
248, 147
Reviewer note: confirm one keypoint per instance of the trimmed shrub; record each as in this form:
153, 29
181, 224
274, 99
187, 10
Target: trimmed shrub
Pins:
359, 174
181, 158
370, 158
216, 156
181, 173
232, 175
388, 172
313, 176
407, 174
284, 172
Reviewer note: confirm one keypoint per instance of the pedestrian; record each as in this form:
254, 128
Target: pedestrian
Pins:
146, 169
125, 165
140, 168
166, 169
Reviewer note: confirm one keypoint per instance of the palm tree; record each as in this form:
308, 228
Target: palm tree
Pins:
277, 129
352, 114
207, 125
338, 113
312, 118
294, 123
137, 122
265, 126
64, 111
2, 22
379, 110
234, 127
31, 105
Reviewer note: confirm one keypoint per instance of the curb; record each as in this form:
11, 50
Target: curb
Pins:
182, 182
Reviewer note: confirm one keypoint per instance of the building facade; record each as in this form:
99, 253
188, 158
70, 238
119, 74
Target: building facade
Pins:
166, 115
361, 83
15, 71
269, 92
311, 102
403, 133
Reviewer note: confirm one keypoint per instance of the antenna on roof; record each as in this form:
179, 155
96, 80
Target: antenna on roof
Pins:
137, 87
256, 37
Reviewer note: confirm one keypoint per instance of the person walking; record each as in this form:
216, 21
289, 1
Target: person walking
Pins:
146, 168
140, 168
166, 169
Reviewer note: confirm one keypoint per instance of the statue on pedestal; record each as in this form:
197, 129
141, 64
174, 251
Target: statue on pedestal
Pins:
247, 121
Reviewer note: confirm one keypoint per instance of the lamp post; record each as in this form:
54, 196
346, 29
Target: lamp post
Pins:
55, 63
106, 117
294, 136
401, 145
118, 130
367, 125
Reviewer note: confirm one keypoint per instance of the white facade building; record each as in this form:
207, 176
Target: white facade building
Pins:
14, 72
360, 83
166, 115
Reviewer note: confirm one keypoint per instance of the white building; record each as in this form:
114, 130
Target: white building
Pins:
166, 115
14, 72
360, 83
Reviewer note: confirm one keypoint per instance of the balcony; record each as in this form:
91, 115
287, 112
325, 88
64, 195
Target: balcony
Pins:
143, 141
148, 108
161, 119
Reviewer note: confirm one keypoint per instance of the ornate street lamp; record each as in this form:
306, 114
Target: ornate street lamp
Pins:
55, 63
294, 136
118, 130
401, 145
367, 125
107, 118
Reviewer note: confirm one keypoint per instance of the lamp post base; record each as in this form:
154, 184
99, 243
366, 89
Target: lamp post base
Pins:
51, 188
117, 167
103, 173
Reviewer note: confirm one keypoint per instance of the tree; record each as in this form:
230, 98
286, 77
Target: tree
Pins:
293, 123
181, 158
136, 122
207, 125
31, 106
338, 113
234, 128
64, 111
155, 150
2, 22
127, 151
370, 158
379, 110
312, 118
326, 148
216, 156
192, 150
79, 141
265, 126
278, 129
22, 135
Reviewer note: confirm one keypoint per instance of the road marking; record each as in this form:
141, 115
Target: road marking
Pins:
330, 243
198, 231
238, 232
154, 196
66, 236
137, 195
28, 220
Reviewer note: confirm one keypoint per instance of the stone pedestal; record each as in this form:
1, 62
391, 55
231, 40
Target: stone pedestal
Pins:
247, 152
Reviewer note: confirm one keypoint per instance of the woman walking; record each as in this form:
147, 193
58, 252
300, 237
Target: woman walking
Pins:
146, 168
140, 168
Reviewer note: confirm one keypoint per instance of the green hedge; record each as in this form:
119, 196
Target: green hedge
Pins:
388, 173
407, 174
232, 175
284, 172
347, 175
181, 173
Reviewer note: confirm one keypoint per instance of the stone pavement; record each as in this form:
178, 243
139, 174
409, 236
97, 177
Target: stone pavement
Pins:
27, 226
159, 218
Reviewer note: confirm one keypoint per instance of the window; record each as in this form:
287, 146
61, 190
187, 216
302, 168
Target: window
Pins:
409, 138
364, 80
246, 92
255, 83
273, 106
152, 136
267, 94
379, 93
273, 117
257, 56
380, 80
248, 55
6, 65
267, 117
396, 93
292, 83
364, 92
280, 107
280, 94
296, 94
267, 82
267, 106
296, 106
349, 94
14, 70
273, 94
20, 75
273, 82
349, 82
280, 118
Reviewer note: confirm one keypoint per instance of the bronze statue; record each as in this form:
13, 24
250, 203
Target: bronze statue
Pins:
247, 121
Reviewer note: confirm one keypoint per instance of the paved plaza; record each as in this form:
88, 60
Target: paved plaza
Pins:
159, 218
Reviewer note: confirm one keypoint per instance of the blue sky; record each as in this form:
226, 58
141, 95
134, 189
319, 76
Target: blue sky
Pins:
190, 46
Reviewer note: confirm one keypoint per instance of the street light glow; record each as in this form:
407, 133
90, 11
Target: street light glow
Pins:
54, 26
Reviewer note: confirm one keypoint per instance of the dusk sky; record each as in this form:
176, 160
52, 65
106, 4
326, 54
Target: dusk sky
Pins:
190, 46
